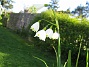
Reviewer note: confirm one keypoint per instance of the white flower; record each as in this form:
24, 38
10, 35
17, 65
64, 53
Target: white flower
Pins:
35, 27
49, 33
41, 34
55, 35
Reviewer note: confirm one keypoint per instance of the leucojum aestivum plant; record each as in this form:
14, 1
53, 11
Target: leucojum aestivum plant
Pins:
53, 33
48, 33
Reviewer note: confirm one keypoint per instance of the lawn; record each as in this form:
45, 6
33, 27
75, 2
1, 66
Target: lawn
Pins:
16, 52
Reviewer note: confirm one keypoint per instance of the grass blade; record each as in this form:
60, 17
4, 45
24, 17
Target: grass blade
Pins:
65, 63
55, 52
69, 59
41, 60
78, 55
87, 59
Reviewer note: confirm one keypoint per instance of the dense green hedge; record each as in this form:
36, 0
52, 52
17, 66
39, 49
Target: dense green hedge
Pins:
72, 32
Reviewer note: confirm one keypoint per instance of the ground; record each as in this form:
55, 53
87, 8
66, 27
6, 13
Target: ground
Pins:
15, 52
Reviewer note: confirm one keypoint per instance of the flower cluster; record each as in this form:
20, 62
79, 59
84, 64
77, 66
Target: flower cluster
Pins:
42, 34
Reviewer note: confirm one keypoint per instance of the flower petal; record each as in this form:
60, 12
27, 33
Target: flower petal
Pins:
41, 34
49, 33
55, 35
35, 27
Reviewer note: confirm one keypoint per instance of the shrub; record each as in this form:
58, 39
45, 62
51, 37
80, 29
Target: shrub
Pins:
4, 19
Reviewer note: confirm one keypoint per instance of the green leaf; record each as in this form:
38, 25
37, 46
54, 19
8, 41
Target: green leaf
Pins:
69, 59
87, 59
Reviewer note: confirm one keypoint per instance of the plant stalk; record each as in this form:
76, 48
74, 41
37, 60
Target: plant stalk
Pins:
69, 59
78, 55
87, 58
59, 46
59, 54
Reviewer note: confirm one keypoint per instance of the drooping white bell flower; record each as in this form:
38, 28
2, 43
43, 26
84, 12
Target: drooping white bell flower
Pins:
35, 27
49, 33
41, 34
55, 35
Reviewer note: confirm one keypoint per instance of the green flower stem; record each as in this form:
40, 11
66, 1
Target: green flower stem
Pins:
59, 54
55, 52
49, 22
59, 46
46, 27
78, 55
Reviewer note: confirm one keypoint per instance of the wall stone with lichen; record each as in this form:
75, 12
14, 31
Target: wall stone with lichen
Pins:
17, 21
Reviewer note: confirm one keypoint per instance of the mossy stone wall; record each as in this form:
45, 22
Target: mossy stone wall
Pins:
17, 21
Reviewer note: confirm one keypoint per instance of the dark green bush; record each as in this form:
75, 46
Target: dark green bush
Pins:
72, 32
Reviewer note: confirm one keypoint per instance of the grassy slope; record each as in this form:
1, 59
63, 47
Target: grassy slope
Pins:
15, 52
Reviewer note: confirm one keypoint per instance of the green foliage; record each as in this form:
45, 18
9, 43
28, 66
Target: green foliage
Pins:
32, 9
70, 31
4, 19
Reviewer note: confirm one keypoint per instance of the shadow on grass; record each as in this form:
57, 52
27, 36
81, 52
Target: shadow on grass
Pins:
14, 52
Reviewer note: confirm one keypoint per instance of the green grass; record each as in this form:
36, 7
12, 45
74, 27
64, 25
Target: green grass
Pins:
15, 52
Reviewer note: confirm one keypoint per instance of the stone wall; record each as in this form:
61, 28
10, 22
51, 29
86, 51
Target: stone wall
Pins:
19, 20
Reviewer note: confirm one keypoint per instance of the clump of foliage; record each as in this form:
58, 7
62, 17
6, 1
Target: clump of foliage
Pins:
32, 9
5, 18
